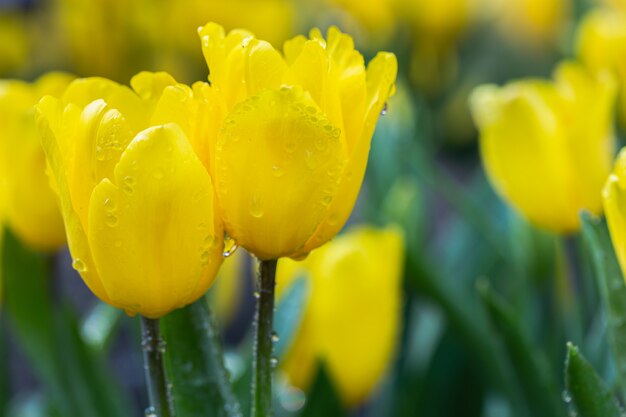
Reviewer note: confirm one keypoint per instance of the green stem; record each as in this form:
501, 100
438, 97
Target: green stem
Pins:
262, 360
153, 350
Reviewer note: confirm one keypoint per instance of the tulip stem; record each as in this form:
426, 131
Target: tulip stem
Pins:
153, 348
262, 354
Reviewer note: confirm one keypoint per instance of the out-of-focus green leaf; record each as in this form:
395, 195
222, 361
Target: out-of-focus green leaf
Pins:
585, 389
35, 405
532, 368
289, 313
195, 364
4, 366
76, 381
612, 288
98, 327
323, 398
468, 319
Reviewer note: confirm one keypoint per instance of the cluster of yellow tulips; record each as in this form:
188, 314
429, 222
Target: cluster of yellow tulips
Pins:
152, 180
161, 188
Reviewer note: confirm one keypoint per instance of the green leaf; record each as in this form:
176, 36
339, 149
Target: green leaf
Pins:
585, 389
323, 398
289, 313
98, 327
195, 364
76, 380
531, 365
612, 288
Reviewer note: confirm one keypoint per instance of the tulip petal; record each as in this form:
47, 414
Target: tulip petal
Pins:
614, 199
591, 141
381, 74
225, 56
153, 232
278, 161
50, 120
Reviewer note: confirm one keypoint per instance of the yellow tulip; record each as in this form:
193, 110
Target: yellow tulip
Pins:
614, 199
547, 146
137, 202
294, 135
601, 45
354, 301
535, 21
31, 208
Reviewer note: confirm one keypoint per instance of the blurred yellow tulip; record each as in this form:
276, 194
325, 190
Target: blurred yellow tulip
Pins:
547, 146
614, 199
532, 21
354, 301
436, 27
31, 209
294, 135
601, 45
137, 202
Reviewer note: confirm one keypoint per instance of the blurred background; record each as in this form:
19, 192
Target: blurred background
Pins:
486, 301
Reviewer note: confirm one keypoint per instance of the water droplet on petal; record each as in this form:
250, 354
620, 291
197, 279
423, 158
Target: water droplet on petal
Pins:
384, 110
289, 144
109, 205
79, 265
110, 220
327, 199
278, 171
256, 206
230, 247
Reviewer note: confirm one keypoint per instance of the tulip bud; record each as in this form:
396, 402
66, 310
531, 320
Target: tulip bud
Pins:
31, 210
355, 301
137, 202
547, 146
294, 135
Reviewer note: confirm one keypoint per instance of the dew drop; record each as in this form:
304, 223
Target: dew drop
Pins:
79, 265
309, 158
320, 143
109, 205
327, 199
289, 144
275, 337
150, 412
110, 220
204, 257
278, 171
257, 295
256, 206
566, 396
230, 247
384, 110
273, 362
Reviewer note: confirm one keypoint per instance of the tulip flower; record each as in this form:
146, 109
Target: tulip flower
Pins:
614, 199
547, 147
137, 202
31, 209
601, 45
535, 21
293, 133
354, 301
